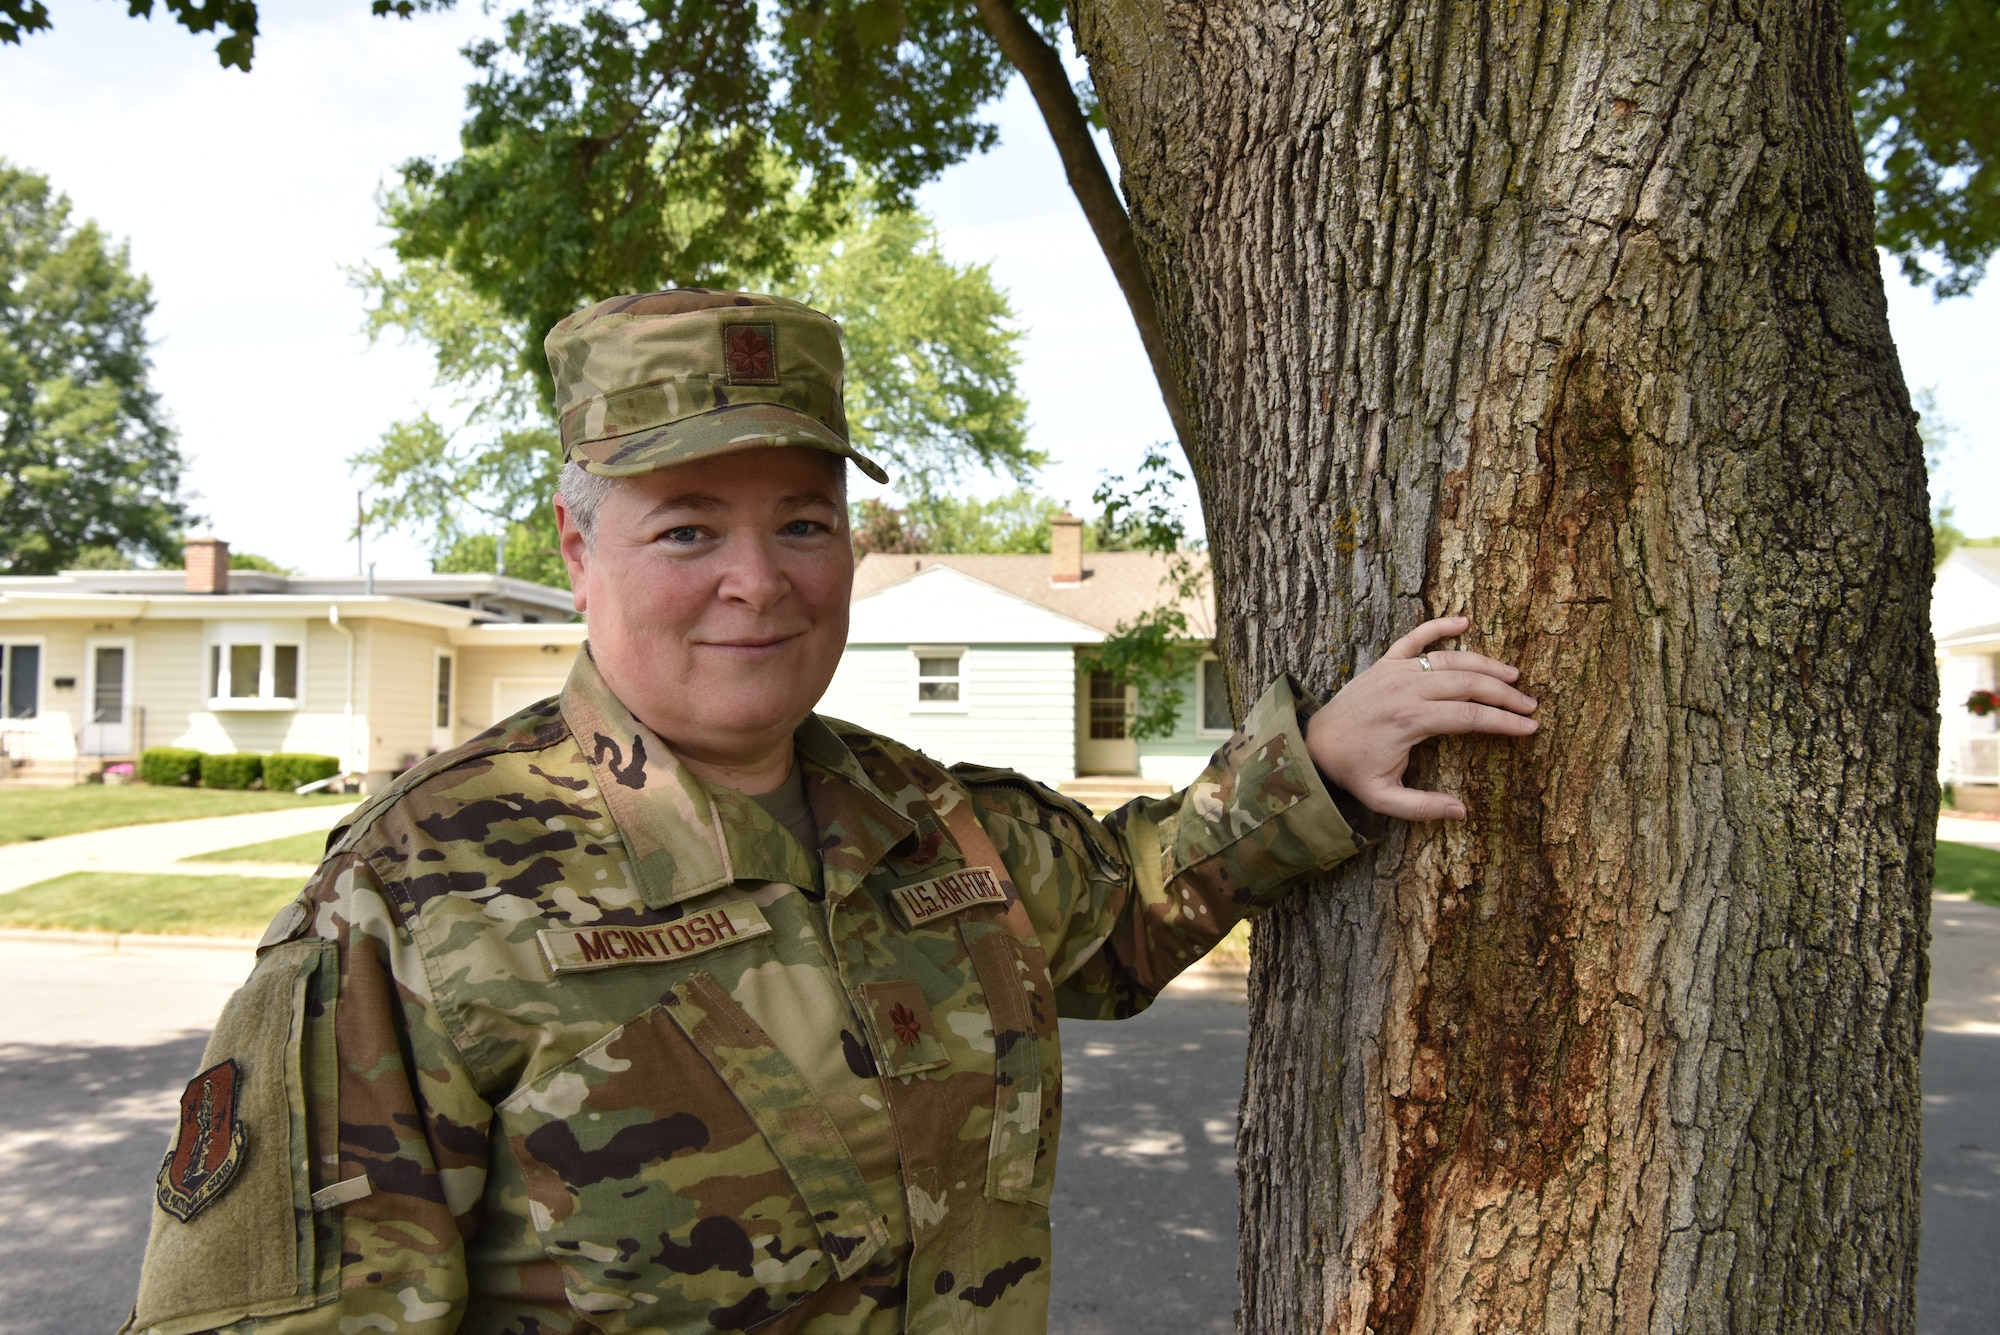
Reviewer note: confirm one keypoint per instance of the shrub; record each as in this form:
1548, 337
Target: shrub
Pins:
239, 769
283, 772
170, 766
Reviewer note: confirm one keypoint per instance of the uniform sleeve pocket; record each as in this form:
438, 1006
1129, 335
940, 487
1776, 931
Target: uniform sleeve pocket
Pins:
233, 1233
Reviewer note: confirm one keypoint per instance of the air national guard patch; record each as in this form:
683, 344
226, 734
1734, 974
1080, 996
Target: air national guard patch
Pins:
948, 894
661, 943
208, 1147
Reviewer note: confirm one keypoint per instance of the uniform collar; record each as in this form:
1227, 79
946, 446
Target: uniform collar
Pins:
684, 841
858, 822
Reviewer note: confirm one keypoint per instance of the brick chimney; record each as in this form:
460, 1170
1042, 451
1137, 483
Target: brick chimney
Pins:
207, 565
1066, 550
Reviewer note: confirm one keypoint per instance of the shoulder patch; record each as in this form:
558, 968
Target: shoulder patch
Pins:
208, 1147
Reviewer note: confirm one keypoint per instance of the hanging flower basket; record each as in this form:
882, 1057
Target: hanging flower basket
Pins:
1981, 703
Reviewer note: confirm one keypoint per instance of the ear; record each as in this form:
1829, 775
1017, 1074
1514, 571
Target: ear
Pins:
575, 554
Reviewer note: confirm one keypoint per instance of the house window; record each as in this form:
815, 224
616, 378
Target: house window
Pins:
262, 673
21, 680
940, 678
1107, 707
1214, 702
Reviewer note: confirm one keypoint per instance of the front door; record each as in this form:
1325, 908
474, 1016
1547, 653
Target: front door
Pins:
107, 701
1104, 708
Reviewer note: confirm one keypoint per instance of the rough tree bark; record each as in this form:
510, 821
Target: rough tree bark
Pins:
1566, 316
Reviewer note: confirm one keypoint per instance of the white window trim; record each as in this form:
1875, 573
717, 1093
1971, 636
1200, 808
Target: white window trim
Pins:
267, 670
43, 675
919, 652
1201, 700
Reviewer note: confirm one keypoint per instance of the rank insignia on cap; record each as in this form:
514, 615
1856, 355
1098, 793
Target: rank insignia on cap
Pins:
208, 1147
750, 353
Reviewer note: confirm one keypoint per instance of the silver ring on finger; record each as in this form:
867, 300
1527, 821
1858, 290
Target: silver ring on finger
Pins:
1424, 662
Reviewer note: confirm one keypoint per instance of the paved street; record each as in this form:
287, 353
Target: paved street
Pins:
1145, 1205
1958, 1282
94, 1046
95, 1043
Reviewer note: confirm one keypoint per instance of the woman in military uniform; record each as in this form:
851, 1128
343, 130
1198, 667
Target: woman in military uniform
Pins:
667, 1005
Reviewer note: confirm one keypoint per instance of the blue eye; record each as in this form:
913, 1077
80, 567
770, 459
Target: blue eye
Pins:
686, 533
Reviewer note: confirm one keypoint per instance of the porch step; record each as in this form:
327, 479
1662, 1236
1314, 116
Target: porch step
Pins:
46, 773
1102, 792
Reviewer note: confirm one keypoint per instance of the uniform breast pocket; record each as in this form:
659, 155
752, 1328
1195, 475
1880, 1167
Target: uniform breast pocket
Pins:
685, 1177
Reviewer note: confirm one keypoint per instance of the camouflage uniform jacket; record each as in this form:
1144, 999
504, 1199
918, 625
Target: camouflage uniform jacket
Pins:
554, 1041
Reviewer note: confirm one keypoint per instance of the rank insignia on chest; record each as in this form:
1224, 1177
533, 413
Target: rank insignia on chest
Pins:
208, 1146
658, 943
927, 900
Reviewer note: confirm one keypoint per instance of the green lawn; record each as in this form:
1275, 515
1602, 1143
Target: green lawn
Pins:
1966, 869
307, 847
94, 901
43, 813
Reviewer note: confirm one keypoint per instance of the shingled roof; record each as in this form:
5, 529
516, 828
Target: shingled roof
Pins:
1116, 586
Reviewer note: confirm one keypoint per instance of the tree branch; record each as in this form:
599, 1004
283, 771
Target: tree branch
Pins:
1042, 67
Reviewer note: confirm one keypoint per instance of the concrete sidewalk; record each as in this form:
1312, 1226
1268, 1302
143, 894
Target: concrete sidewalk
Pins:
153, 849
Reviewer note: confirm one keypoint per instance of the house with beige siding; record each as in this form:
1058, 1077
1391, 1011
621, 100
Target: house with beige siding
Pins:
96, 666
975, 658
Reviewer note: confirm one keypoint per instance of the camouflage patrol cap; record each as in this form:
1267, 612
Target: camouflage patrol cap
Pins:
647, 381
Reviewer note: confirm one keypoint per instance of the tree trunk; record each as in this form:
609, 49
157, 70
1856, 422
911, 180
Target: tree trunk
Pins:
1567, 317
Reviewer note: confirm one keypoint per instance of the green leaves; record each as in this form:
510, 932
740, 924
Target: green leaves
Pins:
931, 352
1015, 522
1152, 652
688, 142
20, 17
930, 384
87, 460
1926, 81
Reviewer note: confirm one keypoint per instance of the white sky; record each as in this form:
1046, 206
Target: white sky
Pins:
244, 196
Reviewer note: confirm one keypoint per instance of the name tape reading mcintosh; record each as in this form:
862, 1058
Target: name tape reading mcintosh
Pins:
609, 947
948, 894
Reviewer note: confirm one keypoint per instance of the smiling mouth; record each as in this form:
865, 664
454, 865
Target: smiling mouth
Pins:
750, 645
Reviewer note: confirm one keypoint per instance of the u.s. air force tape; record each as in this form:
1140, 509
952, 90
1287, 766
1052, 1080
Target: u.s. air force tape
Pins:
948, 894
656, 943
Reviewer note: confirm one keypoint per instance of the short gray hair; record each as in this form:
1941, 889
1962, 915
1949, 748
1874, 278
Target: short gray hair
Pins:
584, 491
